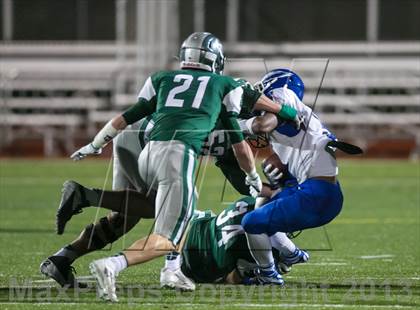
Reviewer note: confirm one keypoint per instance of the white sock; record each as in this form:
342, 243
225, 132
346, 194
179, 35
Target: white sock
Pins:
283, 244
173, 263
119, 262
260, 248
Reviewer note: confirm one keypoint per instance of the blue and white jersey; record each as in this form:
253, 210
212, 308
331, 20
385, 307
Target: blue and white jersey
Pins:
305, 153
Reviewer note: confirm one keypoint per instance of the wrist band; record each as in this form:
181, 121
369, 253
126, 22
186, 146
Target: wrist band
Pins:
287, 112
106, 134
253, 174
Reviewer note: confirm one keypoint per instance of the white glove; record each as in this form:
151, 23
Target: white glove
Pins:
255, 183
300, 122
84, 151
272, 175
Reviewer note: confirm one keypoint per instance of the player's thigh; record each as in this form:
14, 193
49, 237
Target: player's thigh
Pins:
161, 161
119, 179
284, 214
127, 149
175, 200
300, 211
326, 200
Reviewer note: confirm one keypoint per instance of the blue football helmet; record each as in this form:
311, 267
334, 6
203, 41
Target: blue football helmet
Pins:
277, 78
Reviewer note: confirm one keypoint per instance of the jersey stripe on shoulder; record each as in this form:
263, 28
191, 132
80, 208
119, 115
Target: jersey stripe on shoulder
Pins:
233, 99
148, 91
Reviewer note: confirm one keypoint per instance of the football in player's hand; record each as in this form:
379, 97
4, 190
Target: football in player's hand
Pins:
274, 161
274, 170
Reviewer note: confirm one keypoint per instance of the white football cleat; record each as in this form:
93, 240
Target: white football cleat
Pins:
175, 280
105, 276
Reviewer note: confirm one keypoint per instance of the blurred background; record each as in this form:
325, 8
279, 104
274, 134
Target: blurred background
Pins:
68, 66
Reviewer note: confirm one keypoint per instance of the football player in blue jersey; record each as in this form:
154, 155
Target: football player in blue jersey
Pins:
313, 196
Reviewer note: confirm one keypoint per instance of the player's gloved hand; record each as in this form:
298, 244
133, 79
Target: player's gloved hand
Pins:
299, 122
84, 151
272, 174
254, 182
258, 86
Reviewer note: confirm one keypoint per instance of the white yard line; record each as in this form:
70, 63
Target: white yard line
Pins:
374, 220
323, 305
40, 180
325, 264
376, 256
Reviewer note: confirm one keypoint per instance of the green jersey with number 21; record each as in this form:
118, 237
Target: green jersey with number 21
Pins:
188, 104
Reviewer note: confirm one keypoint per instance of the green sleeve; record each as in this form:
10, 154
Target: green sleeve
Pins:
230, 123
249, 99
139, 110
228, 164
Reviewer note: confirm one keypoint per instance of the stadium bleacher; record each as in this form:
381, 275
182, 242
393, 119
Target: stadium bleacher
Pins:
61, 87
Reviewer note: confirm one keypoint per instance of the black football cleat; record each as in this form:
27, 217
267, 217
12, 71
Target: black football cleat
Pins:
72, 201
59, 269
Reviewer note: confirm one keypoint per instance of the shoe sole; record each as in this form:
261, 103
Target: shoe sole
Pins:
66, 210
264, 282
173, 286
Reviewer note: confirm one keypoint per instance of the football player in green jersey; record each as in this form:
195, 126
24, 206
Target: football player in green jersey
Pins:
187, 103
127, 203
215, 247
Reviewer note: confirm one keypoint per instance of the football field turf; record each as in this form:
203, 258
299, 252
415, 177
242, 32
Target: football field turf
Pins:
367, 258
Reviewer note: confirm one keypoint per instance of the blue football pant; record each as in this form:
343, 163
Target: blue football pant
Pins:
311, 204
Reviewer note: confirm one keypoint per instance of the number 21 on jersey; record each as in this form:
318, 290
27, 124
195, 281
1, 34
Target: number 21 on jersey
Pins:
186, 80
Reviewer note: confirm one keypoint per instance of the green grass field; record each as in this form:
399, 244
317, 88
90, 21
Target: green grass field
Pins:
369, 257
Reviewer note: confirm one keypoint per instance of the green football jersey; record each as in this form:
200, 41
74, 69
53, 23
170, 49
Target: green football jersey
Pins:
217, 144
215, 243
187, 105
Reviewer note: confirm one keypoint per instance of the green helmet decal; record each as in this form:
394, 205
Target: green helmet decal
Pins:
202, 50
